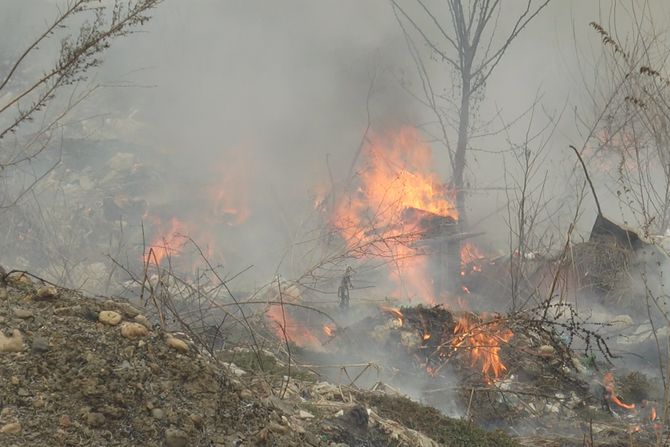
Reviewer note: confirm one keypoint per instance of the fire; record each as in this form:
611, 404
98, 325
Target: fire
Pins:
228, 194
399, 192
224, 201
395, 312
286, 327
610, 388
469, 255
329, 330
483, 341
167, 244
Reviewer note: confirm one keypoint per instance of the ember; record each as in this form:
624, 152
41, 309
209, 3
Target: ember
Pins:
329, 330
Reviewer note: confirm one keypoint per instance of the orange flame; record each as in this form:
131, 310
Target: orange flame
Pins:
286, 327
398, 193
610, 387
228, 195
393, 311
470, 253
167, 244
329, 330
483, 341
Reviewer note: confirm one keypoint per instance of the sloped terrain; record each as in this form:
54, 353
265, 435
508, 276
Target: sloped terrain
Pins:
80, 371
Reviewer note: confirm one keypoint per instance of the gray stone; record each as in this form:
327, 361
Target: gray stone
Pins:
175, 438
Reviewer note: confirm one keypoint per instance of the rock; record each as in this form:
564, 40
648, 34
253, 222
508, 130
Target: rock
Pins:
23, 392
277, 428
64, 421
19, 278
13, 343
95, 420
579, 367
3, 293
547, 350
197, 420
157, 413
39, 402
109, 317
358, 416
133, 330
239, 372
302, 414
22, 313
46, 293
175, 438
175, 343
126, 309
622, 321
11, 428
144, 321
40, 344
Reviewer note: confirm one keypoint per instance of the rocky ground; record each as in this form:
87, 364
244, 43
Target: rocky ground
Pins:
80, 371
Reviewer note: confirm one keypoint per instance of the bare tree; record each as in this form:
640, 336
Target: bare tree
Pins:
467, 38
33, 103
629, 133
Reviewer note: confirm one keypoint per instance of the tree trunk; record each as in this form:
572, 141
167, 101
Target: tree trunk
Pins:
453, 267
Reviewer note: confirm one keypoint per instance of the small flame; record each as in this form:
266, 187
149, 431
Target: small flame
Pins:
167, 244
329, 330
393, 311
483, 341
610, 388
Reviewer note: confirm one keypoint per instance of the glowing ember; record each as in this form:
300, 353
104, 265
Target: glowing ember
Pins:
610, 388
329, 330
483, 341
169, 243
399, 193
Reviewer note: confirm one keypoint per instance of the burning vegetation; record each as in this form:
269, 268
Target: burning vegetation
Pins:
391, 289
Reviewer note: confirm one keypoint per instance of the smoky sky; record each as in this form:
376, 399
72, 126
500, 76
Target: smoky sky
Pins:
274, 94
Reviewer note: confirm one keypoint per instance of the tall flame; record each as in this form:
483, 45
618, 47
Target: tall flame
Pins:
483, 341
398, 188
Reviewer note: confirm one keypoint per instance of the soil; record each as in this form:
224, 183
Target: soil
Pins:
81, 371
